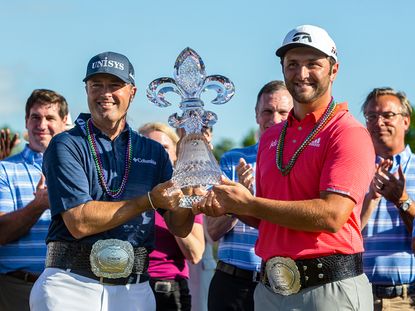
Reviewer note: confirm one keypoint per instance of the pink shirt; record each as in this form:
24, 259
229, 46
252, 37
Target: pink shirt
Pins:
339, 159
167, 260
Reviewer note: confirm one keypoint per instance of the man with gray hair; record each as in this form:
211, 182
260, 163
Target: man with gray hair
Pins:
388, 210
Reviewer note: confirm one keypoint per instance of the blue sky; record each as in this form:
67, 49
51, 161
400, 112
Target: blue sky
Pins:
47, 44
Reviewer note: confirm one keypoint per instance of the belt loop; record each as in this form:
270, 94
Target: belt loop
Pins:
26, 276
404, 291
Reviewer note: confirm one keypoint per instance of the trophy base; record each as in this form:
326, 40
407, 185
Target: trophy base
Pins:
188, 200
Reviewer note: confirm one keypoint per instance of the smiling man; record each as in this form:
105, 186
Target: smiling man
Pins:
312, 174
388, 209
24, 205
236, 273
105, 183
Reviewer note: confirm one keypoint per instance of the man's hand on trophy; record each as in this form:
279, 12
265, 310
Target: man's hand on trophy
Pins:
197, 190
234, 198
165, 196
208, 206
246, 174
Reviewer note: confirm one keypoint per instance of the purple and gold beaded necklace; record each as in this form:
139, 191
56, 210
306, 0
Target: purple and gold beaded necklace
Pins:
325, 118
115, 194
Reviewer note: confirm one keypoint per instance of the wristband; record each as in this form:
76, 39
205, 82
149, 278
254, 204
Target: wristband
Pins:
151, 202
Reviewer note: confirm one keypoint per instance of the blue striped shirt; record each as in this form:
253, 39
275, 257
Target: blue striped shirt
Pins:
19, 176
388, 257
237, 246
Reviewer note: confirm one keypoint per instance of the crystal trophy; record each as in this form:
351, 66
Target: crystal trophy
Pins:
196, 167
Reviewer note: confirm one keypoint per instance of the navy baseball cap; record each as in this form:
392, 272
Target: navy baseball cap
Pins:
111, 63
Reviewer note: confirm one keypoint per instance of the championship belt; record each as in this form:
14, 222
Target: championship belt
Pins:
283, 275
112, 258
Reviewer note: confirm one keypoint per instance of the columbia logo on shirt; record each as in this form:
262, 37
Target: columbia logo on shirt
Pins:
145, 161
315, 142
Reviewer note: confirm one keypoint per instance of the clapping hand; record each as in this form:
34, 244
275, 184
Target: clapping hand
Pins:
246, 174
392, 186
7, 143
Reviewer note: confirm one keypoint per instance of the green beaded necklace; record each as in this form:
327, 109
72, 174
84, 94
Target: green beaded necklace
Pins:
325, 118
113, 193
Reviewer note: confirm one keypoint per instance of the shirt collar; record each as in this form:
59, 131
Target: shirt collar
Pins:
80, 122
31, 156
399, 159
315, 115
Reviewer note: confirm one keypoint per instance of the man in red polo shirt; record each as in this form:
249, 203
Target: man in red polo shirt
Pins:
313, 171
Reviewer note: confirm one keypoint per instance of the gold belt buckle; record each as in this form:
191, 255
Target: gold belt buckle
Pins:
112, 258
283, 275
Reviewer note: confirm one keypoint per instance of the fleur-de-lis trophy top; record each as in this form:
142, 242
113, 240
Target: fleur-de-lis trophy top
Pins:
196, 167
189, 82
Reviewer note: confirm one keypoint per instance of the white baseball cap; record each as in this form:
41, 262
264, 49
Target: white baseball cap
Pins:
308, 35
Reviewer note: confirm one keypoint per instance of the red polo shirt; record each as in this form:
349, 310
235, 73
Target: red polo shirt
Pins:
339, 159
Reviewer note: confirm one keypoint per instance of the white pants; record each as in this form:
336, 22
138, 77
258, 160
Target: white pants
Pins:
58, 290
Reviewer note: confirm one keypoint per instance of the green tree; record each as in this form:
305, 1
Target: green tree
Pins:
226, 144
221, 147
250, 139
410, 136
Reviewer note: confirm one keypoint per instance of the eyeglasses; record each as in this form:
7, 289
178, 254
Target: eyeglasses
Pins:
386, 116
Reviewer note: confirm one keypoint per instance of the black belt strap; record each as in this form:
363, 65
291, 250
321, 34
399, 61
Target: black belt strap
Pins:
237, 272
327, 269
166, 286
75, 256
24, 275
131, 279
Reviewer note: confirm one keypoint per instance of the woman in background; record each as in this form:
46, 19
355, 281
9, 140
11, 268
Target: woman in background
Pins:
168, 269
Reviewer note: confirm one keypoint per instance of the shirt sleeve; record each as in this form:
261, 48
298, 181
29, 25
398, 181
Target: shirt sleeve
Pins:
6, 198
349, 167
167, 169
66, 179
226, 166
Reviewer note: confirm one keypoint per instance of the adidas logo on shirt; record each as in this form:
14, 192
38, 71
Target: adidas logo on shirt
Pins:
315, 142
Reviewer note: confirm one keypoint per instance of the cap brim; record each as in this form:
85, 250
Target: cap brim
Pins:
108, 73
282, 50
